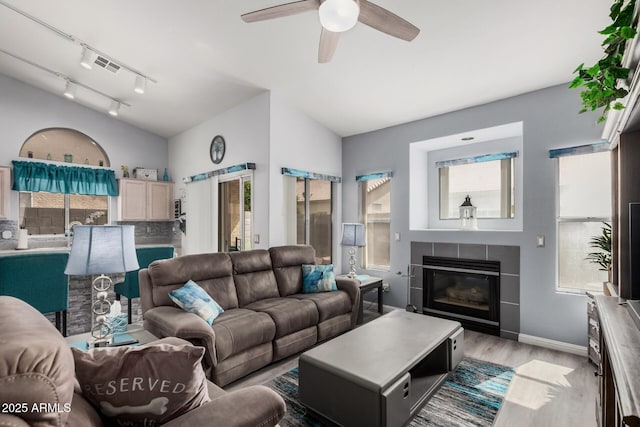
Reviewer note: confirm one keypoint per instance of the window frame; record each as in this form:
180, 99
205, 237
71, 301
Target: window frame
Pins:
362, 184
507, 191
569, 219
67, 215
307, 213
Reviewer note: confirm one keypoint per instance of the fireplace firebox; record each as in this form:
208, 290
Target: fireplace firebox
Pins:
465, 290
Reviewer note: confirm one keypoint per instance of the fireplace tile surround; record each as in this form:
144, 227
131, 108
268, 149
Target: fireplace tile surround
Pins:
509, 257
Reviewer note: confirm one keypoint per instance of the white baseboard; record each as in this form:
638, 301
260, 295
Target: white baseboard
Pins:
554, 345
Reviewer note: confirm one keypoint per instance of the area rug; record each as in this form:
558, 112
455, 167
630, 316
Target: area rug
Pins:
471, 396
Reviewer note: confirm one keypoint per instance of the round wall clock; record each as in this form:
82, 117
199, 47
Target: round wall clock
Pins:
216, 151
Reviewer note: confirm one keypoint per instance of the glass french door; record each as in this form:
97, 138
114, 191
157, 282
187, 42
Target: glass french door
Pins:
314, 206
234, 214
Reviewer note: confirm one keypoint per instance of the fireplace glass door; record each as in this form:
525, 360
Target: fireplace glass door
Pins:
464, 289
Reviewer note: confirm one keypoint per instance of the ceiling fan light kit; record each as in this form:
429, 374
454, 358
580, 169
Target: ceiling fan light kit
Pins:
339, 15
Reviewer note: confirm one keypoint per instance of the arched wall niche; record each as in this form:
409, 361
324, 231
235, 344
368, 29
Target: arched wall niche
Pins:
64, 145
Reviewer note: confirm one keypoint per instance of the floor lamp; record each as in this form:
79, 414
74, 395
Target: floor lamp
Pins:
352, 236
101, 250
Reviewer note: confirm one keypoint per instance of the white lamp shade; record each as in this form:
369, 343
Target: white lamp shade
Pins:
339, 15
102, 249
353, 235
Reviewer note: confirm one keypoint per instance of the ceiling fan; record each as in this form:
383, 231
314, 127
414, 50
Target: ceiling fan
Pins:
337, 16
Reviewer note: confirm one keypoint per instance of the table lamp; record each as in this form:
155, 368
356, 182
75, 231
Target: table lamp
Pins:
101, 249
352, 236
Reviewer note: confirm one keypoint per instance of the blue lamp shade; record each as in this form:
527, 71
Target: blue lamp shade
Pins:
353, 235
102, 249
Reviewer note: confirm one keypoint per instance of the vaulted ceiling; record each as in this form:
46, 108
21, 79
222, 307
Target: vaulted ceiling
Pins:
205, 59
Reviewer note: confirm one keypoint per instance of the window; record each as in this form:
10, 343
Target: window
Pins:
314, 206
43, 213
48, 193
490, 184
584, 202
376, 215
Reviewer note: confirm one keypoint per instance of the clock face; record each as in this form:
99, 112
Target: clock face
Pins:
217, 149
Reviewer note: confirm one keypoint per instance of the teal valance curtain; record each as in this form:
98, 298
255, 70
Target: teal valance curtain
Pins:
53, 178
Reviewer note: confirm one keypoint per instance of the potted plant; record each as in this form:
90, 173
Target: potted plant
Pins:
602, 256
604, 83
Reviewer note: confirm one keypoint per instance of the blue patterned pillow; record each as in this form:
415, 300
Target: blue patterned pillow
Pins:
194, 299
318, 278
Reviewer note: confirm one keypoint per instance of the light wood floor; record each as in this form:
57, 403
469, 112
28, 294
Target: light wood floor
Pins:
550, 388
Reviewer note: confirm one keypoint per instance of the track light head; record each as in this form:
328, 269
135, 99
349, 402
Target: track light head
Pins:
114, 108
86, 61
70, 90
140, 85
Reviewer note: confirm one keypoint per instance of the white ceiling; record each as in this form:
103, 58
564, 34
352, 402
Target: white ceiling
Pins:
206, 60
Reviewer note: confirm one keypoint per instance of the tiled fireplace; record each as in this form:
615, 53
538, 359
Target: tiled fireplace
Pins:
479, 285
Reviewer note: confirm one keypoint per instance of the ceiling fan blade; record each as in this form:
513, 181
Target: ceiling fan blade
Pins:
328, 45
383, 20
281, 10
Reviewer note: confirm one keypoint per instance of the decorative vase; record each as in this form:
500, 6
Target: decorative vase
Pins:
165, 177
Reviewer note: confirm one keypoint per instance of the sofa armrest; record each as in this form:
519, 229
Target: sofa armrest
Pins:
255, 406
165, 321
352, 288
8, 420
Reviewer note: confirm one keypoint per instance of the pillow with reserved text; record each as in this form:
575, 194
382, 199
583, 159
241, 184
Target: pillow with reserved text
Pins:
142, 386
318, 278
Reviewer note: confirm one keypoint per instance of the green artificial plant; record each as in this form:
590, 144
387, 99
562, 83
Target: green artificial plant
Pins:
602, 81
602, 243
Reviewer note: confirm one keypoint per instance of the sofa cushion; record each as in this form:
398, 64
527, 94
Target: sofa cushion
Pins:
193, 299
289, 314
212, 272
253, 276
36, 364
143, 385
318, 278
287, 262
329, 304
238, 329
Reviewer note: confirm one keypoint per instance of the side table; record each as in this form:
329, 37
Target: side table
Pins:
367, 284
134, 331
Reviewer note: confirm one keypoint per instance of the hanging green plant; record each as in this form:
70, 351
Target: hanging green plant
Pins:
602, 81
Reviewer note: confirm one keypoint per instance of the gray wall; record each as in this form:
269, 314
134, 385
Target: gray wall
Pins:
550, 121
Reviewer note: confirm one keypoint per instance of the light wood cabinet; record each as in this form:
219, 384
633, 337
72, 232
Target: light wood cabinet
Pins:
145, 200
5, 191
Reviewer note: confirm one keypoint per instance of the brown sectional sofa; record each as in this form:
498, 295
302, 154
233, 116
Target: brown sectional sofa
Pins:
266, 317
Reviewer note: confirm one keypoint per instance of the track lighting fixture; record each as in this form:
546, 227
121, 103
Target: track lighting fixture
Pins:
140, 85
70, 90
114, 108
86, 61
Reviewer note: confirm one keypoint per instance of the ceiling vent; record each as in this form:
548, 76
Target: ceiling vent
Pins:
103, 62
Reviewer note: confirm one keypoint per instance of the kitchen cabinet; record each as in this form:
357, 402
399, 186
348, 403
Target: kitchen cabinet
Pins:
141, 200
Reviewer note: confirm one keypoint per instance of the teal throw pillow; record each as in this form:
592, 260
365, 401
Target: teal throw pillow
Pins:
318, 278
194, 299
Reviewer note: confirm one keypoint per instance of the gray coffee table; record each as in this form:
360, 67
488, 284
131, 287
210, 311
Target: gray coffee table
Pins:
380, 374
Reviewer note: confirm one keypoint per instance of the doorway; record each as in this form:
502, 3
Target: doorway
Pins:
235, 208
